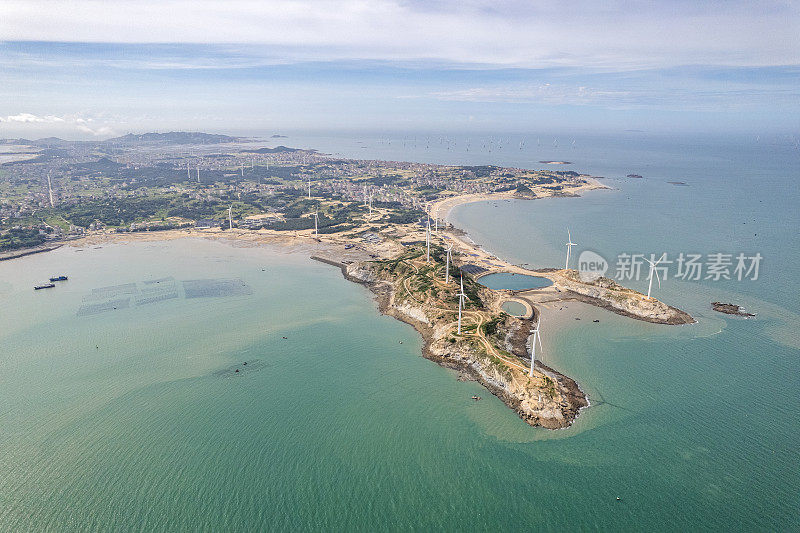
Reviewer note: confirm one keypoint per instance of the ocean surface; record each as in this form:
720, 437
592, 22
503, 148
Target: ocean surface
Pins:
121, 406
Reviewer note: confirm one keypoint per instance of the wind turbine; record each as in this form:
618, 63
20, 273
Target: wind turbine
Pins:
198, 173
370, 204
242, 167
569, 245
654, 271
461, 297
316, 223
365, 195
188, 172
428, 242
230, 217
536, 336
309, 189
447, 266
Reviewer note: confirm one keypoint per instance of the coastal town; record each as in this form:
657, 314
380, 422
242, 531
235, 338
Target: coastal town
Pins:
53, 189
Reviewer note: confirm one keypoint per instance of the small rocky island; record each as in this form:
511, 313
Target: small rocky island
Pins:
730, 309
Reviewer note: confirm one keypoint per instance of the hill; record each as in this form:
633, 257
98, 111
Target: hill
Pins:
173, 137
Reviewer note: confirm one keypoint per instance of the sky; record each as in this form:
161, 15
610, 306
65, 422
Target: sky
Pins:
92, 69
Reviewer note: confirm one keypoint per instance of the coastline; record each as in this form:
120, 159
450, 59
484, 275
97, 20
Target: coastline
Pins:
7, 256
475, 356
442, 208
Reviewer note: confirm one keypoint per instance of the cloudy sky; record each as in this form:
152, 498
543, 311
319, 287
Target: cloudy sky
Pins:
91, 68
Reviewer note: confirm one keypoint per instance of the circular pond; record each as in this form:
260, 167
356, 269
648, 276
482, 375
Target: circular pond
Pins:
514, 308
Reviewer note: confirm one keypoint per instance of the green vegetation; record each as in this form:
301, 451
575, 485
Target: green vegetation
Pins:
490, 327
20, 238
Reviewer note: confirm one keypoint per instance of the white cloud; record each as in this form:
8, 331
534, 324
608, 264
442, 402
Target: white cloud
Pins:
633, 95
516, 33
31, 118
67, 123
102, 131
545, 93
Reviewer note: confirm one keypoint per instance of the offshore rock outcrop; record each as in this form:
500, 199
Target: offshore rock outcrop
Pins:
731, 309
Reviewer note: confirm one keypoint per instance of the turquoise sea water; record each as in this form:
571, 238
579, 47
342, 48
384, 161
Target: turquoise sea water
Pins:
135, 418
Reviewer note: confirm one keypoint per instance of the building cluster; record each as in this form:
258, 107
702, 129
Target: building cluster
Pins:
67, 174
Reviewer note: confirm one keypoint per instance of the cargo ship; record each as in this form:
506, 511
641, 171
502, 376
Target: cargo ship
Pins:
44, 286
59, 278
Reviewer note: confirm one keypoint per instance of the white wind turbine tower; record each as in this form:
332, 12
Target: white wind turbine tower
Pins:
316, 223
447, 266
188, 171
230, 217
365, 195
461, 297
428, 242
569, 245
309, 189
242, 168
654, 271
370, 204
536, 336
198, 172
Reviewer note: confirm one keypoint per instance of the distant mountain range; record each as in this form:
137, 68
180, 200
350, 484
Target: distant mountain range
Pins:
173, 137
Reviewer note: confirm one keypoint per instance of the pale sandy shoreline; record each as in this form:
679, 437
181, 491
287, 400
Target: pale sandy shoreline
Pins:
442, 208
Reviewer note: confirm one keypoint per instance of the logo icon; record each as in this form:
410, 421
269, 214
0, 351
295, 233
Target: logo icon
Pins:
591, 266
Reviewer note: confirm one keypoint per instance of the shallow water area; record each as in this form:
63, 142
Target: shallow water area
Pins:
514, 308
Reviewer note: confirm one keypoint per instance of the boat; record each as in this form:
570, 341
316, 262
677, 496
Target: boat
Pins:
44, 286
59, 278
